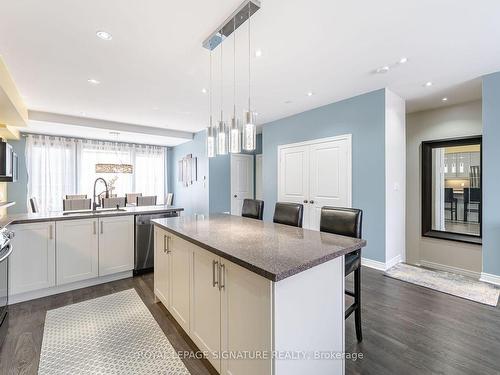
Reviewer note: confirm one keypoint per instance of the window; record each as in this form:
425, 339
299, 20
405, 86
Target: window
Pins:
58, 166
451, 189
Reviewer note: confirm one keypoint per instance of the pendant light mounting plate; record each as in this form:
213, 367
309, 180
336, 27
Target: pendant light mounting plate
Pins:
235, 20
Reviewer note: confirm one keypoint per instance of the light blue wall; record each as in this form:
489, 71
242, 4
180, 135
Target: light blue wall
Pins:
17, 191
220, 184
194, 198
491, 174
363, 117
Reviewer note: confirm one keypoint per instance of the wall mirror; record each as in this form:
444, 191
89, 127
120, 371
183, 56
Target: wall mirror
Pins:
452, 189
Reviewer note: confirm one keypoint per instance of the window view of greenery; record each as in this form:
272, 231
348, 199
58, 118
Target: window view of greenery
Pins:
456, 189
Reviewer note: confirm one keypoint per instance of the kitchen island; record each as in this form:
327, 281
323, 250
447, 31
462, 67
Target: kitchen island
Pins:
255, 297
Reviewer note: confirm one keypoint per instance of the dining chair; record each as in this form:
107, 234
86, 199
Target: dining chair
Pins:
34, 205
131, 198
253, 208
170, 199
112, 202
76, 196
288, 214
149, 200
347, 222
76, 204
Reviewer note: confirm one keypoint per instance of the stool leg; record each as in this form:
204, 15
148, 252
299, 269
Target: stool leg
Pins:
357, 300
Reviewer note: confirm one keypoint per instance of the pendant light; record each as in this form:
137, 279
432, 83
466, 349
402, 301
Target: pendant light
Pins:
249, 129
210, 129
234, 132
222, 133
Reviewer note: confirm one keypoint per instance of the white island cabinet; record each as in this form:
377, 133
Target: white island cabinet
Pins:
262, 298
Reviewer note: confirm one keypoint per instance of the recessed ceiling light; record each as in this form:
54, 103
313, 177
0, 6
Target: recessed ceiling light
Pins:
310, 93
403, 60
258, 53
104, 35
428, 84
93, 81
288, 101
445, 99
383, 69
204, 90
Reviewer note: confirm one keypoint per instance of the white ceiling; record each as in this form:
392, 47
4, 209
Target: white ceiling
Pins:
154, 68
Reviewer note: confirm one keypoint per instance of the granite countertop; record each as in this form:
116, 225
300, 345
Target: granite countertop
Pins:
274, 251
57, 216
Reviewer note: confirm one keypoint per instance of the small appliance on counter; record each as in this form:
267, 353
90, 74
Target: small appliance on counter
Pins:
5, 250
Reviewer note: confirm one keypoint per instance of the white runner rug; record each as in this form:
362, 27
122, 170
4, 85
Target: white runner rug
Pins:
114, 334
446, 282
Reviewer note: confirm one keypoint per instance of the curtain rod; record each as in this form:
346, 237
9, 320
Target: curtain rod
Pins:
25, 134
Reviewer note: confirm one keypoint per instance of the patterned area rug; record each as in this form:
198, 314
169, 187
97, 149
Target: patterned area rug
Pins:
114, 334
446, 282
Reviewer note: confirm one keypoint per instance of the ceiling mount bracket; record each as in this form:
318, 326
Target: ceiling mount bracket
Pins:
235, 20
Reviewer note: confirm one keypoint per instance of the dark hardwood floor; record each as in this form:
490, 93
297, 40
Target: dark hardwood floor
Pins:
406, 329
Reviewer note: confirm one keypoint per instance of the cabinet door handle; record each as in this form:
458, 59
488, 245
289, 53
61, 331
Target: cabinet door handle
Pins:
102, 227
165, 243
93, 226
214, 266
222, 276
51, 232
168, 245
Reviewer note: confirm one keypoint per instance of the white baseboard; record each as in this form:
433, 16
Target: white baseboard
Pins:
67, 287
444, 267
381, 266
490, 278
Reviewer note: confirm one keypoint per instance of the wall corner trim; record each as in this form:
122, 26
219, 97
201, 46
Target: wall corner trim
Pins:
490, 278
381, 266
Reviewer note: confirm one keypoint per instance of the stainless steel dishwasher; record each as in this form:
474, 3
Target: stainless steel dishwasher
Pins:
144, 241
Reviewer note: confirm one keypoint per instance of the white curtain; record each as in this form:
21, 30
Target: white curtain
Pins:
58, 166
51, 167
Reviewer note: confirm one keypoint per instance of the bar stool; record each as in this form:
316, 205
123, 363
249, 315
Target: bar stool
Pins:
347, 222
253, 208
288, 214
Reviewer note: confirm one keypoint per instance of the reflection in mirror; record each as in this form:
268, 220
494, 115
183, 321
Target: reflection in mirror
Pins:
456, 189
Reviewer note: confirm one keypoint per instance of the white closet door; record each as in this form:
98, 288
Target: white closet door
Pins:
294, 174
241, 181
329, 178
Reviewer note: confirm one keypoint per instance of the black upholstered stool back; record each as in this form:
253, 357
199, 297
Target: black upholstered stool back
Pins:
288, 214
253, 208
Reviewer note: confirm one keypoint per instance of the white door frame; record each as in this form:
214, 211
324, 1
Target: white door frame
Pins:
347, 137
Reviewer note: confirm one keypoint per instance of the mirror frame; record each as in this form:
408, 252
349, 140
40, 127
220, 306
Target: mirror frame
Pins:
426, 167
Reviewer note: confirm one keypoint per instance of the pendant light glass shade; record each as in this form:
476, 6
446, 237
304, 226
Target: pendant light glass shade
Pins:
234, 137
249, 132
222, 139
210, 141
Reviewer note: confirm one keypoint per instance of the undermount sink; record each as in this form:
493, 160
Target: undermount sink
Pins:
91, 212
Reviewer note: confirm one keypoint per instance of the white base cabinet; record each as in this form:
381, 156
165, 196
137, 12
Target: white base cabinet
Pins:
224, 308
32, 263
77, 245
116, 244
51, 257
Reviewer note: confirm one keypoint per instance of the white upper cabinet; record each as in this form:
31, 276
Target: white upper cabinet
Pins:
77, 244
32, 263
116, 244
